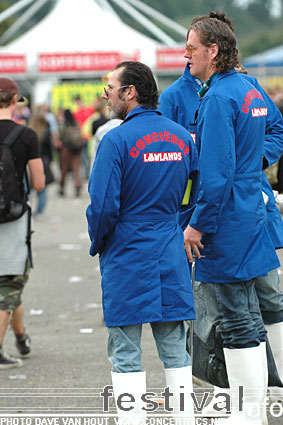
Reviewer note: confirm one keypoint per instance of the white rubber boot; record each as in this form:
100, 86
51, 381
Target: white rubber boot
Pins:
264, 419
134, 384
179, 380
218, 402
245, 368
275, 337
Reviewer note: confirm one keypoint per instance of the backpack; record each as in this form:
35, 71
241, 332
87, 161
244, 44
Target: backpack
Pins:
73, 139
13, 197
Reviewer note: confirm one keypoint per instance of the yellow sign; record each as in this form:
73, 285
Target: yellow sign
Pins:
63, 95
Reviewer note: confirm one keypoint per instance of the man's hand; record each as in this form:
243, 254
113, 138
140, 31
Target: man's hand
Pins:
192, 241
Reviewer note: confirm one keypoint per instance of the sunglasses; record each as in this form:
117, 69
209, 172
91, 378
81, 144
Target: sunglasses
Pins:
107, 89
189, 49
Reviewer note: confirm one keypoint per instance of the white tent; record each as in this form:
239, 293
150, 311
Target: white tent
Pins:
79, 26
82, 26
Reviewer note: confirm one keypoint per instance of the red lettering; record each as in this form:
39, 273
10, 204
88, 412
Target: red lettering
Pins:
186, 151
134, 152
161, 136
155, 137
174, 139
167, 136
140, 144
247, 101
250, 95
181, 144
245, 109
147, 138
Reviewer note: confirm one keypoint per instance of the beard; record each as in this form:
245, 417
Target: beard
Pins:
119, 109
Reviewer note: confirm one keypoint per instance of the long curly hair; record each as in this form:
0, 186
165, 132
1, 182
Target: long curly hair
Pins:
217, 28
140, 76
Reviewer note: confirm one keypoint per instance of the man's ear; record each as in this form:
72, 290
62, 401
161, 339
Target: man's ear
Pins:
213, 51
14, 99
132, 93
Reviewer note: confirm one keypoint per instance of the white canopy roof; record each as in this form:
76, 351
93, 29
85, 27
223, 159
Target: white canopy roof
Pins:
270, 57
81, 26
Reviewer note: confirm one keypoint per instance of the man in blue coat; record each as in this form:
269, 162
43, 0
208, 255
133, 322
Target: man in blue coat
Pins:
137, 185
228, 223
180, 102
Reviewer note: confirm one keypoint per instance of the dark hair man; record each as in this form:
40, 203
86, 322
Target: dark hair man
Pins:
136, 187
14, 261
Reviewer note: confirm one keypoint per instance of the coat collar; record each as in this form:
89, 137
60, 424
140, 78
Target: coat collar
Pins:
188, 76
140, 110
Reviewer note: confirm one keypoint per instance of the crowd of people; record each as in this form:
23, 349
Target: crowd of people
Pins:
177, 178
66, 137
43, 136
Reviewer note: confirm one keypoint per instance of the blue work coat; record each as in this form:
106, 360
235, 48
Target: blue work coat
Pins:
136, 187
180, 100
273, 150
230, 210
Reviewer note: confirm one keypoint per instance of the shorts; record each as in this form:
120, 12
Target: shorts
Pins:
11, 289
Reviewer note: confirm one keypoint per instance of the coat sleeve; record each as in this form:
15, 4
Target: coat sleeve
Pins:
186, 210
104, 191
216, 162
167, 105
273, 146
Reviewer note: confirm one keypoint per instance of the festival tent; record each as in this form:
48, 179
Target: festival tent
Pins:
77, 38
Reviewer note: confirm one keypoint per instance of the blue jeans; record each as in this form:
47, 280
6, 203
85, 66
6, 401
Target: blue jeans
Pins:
234, 309
41, 201
85, 159
270, 297
124, 346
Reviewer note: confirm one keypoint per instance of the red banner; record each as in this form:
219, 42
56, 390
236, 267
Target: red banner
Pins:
94, 61
12, 64
171, 58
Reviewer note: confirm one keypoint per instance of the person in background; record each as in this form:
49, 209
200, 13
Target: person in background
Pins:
70, 152
40, 125
53, 125
81, 114
22, 113
14, 253
100, 107
100, 132
278, 100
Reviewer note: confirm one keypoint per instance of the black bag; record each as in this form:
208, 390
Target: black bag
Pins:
73, 139
49, 176
208, 356
13, 196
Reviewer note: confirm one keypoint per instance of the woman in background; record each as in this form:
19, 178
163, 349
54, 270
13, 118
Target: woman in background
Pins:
70, 154
40, 125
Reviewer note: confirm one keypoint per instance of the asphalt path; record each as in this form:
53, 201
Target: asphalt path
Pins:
68, 368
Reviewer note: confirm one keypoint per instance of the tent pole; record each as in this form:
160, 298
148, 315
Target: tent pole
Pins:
14, 9
159, 17
22, 20
161, 35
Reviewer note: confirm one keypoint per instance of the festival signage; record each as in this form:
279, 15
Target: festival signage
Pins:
170, 58
12, 64
81, 61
